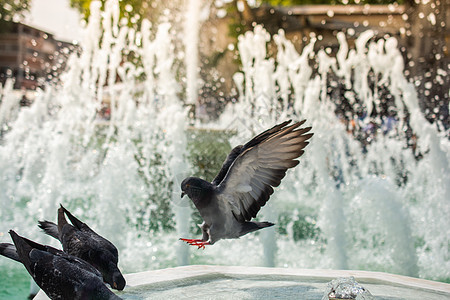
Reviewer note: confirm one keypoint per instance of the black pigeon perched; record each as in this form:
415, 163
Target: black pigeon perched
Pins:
244, 184
81, 241
58, 274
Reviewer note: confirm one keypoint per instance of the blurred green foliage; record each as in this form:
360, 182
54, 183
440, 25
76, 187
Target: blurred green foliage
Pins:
333, 2
300, 226
207, 150
161, 218
132, 10
136, 10
12, 11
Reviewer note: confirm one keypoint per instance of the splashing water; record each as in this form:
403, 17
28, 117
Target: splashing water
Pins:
350, 204
116, 173
377, 206
346, 288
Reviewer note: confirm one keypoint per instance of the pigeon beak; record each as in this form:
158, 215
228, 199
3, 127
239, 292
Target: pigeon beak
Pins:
182, 194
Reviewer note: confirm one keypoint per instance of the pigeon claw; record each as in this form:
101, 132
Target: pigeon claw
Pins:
196, 242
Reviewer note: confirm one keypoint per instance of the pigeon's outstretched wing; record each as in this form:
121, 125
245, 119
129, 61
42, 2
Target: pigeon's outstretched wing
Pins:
241, 148
261, 165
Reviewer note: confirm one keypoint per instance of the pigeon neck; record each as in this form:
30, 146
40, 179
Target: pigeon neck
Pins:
202, 193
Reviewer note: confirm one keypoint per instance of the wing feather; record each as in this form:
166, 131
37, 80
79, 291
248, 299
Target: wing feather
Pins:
241, 148
261, 165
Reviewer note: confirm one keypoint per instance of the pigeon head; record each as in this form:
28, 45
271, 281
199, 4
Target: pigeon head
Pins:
106, 263
118, 282
196, 188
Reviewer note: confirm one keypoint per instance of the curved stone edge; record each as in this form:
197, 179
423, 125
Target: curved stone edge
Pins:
184, 272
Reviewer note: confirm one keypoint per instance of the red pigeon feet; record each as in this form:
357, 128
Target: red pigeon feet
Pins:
196, 242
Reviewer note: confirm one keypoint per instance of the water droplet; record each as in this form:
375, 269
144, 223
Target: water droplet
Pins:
221, 13
128, 7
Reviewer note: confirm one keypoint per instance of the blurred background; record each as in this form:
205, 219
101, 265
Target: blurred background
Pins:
419, 26
105, 106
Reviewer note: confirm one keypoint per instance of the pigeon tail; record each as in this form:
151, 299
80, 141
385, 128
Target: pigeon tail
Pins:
49, 228
61, 219
248, 227
23, 249
75, 222
9, 251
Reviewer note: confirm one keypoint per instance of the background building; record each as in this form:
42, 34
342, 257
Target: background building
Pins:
30, 56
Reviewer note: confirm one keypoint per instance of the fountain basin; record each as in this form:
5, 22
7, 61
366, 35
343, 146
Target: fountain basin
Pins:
230, 282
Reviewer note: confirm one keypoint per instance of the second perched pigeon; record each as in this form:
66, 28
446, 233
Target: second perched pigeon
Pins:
58, 274
81, 241
244, 184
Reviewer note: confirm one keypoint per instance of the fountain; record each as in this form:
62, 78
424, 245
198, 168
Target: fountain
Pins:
366, 202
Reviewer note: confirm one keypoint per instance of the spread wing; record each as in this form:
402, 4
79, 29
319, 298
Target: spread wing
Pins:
250, 179
240, 149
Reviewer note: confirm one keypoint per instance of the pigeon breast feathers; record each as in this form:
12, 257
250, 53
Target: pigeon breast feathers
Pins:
260, 166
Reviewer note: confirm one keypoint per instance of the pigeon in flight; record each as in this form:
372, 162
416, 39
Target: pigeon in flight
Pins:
58, 274
245, 183
81, 241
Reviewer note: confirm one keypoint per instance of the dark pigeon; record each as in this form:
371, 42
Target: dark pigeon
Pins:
245, 183
58, 274
81, 241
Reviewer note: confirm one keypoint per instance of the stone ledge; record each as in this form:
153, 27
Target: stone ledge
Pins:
177, 273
